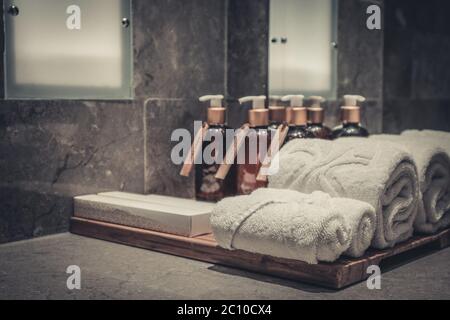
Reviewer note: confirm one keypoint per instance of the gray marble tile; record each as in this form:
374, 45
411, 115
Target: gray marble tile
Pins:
430, 76
248, 32
32, 213
405, 114
162, 117
360, 55
82, 144
179, 48
54, 150
398, 64
417, 66
2, 49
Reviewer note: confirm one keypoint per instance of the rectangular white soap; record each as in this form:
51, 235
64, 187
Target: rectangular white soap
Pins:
158, 199
184, 217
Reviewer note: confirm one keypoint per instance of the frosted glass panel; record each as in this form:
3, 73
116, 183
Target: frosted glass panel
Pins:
68, 49
302, 58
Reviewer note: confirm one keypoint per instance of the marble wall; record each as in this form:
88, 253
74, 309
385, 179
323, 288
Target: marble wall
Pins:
360, 61
417, 65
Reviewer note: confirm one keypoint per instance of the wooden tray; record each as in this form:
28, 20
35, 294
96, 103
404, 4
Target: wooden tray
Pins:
334, 275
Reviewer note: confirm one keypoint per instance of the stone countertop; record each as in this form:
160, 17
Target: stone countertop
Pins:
36, 269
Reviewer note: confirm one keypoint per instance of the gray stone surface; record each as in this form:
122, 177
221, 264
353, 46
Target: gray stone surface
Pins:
401, 114
247, 55
416, 66
161, 118
179, 48
32, 213
360, 59
36, 269
248, 33
53, 150
70, 142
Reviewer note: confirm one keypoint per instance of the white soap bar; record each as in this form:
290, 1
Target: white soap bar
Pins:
165, 214
158, 199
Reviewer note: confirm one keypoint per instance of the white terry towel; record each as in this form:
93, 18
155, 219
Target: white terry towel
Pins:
377, 172
287, 224
431, 151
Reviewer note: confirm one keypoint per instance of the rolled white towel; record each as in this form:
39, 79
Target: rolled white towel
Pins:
287, 224
377, 172
431, 151
362, 225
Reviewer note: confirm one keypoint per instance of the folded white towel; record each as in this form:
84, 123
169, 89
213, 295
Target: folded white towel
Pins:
288, 224
431, 151
376, 172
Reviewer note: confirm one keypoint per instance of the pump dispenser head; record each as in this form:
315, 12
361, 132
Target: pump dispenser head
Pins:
316, 113
296, 100
258, 116
296, 114
216, 113
351, 112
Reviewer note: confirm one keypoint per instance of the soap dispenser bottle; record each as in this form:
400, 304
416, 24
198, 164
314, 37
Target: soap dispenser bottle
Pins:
277, 113
296, 117
258, 120
351, 118
316, 116
208, 188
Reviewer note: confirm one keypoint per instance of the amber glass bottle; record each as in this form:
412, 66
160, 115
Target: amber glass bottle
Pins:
259, 133
208, 188
316, 117
277, 113
296, 117
351, 119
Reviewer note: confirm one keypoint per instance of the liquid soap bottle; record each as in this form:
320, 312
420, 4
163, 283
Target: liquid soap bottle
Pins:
351, 119
259, 134
296, 117
208, 188
277, 113
316, 116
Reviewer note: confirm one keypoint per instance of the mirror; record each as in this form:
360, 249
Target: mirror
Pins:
68, 49
303, 47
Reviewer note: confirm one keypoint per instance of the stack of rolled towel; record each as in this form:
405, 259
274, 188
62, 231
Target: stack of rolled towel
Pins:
431, 151
330, 198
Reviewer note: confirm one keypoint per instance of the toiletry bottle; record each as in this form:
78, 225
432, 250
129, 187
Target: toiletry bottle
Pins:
208, 188
296, 116
247, 172
316, 116
351, 118
277, 113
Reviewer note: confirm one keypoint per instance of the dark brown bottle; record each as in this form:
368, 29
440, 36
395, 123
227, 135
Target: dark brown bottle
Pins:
209, 188
316, 116
247, 172
351, 119
277, 114
296, 117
